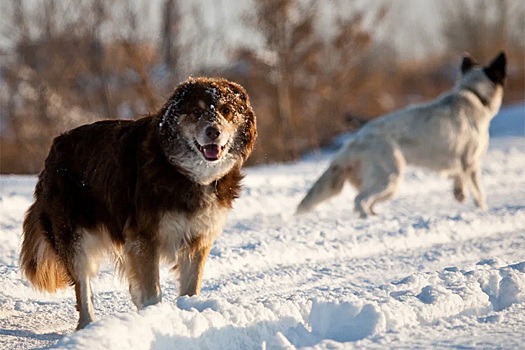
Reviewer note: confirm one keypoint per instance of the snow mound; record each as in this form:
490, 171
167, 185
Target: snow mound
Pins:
193, 323
345, 321
415, 300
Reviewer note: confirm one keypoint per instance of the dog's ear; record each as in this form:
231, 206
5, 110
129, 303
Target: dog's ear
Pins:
238, 90
467, 63
181, 91
496, 70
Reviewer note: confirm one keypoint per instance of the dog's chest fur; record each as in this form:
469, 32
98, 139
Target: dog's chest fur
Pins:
179, 229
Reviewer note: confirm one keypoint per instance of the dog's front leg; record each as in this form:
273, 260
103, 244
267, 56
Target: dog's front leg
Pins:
191, 268
458, 188
142, 270
477, 189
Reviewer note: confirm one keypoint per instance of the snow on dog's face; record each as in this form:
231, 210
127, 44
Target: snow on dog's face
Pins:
207, 127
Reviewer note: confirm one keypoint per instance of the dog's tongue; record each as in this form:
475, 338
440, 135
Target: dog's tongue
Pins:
211, 151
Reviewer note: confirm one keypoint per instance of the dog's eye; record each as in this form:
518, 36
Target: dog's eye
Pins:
225, 111
196, 112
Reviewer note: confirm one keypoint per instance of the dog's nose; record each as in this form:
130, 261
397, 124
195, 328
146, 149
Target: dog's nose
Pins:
212, 132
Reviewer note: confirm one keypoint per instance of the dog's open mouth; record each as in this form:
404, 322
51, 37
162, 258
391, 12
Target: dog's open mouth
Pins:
210, 152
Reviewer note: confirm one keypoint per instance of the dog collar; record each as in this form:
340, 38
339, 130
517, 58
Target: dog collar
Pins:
483, 100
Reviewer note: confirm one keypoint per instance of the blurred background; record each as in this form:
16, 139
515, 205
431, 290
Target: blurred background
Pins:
313, 69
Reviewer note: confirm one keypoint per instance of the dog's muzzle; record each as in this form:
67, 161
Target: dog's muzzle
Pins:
211, 152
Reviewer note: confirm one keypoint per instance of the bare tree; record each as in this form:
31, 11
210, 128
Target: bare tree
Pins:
482, 27
171, 23
312, 71
350, 66
61, 71
290, 44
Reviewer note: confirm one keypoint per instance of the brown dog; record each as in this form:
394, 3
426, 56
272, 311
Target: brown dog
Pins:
156, 188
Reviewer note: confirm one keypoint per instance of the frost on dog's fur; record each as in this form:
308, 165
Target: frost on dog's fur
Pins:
145, 191
448, 135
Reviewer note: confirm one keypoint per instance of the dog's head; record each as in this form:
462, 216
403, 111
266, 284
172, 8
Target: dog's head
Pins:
495, 71
485, 81
207, 127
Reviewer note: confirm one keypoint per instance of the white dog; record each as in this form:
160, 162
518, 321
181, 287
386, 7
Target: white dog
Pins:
449, 135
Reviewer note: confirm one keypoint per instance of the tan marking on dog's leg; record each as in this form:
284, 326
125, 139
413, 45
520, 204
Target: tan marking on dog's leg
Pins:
477, 190
84, 302
191, 269
142, 271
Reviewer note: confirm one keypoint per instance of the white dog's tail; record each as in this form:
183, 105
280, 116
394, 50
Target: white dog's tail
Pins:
331, 182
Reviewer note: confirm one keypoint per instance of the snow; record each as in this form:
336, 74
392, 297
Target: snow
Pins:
427, 272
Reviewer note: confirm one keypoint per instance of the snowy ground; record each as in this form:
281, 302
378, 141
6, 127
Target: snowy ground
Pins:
426, 273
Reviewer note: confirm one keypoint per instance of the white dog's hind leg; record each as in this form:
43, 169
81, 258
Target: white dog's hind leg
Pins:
386, 194
366, 200
381, 179
362, 204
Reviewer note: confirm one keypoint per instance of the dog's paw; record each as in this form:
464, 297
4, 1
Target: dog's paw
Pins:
459, 194
361, 213
481, 205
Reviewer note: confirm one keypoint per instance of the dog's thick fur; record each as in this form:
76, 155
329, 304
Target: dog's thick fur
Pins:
448, 135
156, 188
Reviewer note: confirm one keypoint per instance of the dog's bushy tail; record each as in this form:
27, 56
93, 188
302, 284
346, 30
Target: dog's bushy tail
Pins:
327, 186
39, 261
